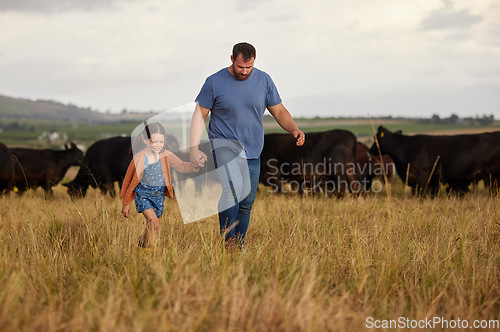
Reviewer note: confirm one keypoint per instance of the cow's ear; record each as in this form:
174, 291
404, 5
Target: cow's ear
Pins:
73, 145
381, 131
66, 147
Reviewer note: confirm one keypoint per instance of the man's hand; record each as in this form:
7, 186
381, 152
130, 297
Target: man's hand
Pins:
126, 210
300, 136
198, 157
286, 122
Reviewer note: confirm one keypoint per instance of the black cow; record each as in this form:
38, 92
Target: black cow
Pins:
490, 171
370, 166
326, 162
44, 168
105, 162
430, 160
6, 170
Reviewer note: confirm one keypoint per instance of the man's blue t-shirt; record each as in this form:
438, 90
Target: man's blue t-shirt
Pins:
237, 107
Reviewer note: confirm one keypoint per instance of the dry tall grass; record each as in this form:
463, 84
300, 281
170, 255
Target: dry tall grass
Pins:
309, 264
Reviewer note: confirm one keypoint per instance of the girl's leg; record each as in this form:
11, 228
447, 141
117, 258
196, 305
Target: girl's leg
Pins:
152, 230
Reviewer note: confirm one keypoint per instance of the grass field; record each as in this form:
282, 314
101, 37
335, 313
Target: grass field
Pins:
309, 264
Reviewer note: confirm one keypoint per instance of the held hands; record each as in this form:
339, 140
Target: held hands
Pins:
126, 210
198, 158
300, 136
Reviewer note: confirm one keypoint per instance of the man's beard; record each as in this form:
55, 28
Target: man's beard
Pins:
240, 77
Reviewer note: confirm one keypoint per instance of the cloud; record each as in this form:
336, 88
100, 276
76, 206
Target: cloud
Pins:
154, 54
54, 6
449, 18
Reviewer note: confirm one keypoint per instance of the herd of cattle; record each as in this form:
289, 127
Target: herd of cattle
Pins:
424, 162
329, 162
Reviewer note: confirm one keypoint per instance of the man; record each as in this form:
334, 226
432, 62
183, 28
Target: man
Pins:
237, 97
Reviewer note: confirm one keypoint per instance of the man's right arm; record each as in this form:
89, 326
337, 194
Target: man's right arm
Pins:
197, 126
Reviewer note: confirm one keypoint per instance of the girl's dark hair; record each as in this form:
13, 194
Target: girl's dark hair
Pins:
153, 128
149, 129
246, 50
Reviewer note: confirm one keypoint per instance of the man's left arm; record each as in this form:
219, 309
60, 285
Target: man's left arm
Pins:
285, 120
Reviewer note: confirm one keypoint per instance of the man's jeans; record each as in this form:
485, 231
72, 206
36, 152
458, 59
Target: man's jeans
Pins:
239, 178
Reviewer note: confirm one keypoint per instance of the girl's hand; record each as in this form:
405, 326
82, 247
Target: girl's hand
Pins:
198, 158
126, 210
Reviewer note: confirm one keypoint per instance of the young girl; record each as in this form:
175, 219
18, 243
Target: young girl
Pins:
148, 178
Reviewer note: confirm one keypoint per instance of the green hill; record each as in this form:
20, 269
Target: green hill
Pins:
16, 108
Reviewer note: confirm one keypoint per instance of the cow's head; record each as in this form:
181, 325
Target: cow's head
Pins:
382, 132
78, 154
71, 146
384, 137
380, 136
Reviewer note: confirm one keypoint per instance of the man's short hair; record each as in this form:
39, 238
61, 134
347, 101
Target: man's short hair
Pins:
246, 50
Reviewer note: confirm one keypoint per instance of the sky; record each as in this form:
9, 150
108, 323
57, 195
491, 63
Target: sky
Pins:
327, 57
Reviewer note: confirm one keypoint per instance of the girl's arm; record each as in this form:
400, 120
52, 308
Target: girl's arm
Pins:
127, 179
180, 165
123, 191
